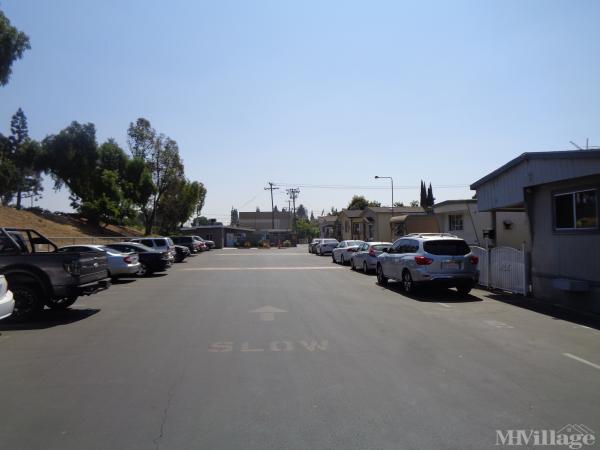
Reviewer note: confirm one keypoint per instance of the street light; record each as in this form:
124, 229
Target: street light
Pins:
377, 177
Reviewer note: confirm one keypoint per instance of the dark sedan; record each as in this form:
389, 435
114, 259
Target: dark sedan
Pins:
151, 260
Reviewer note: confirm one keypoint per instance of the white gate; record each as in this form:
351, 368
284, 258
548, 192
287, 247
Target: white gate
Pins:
502, 268
483, 265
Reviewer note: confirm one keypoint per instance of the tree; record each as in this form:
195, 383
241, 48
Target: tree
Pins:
22, 178
399, 204
360, 202
71, 156
257, 209
423, 201
306, 229
414, 203
301, 212
430, 198
333, 211
275, 209
178, 204
161, 155
235, 217
312, 216
13, 44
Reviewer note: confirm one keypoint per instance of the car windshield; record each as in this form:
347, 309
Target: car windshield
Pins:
354, 242
380, 247
450, 247
330, 241
161, 242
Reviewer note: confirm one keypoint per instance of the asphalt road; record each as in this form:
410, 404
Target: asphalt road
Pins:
278, 349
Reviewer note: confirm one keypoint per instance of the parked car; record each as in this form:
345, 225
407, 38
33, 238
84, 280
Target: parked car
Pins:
119, 264
150, 260
181, 252
7, 302
429, 259
38, 275
192, 244
313, 244
161, 244
209, 244
365, 257
344, 251
325, 246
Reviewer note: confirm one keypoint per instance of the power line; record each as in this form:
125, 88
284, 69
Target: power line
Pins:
341, 186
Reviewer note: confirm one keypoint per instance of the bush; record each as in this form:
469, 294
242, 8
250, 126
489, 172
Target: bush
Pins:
264, 244
287, 244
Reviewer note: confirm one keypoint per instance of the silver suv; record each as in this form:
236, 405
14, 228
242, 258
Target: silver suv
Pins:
429, 258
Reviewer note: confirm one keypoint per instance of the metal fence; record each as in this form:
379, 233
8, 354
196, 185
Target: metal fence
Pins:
82, 240
503, 268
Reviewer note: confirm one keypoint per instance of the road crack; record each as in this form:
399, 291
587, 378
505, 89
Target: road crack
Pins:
165, 412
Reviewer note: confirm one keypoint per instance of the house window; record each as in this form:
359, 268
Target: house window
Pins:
576, 210
356, 228
347, 226
455, 222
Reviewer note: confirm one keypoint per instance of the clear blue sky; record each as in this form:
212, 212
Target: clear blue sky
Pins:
315, 92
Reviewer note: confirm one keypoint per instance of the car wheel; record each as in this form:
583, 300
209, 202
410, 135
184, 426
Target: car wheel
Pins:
142, 271
27, 302
365, 268
352, 266
407, 282
381, 278
61, 303
464, 289
343, 261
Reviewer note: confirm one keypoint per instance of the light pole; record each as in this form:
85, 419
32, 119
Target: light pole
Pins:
377, 177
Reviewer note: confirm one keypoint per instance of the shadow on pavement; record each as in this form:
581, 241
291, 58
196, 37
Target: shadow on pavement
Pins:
555, 312
123, 281
49, 318
157, 275
432, 295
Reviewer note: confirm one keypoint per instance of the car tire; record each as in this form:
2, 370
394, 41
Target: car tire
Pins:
142, 271
365, 268
381, 278
28, 302
407, 282
343, 261
464, 289
60, 304
352, 266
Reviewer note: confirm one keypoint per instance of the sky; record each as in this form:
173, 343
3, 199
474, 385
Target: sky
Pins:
312, 93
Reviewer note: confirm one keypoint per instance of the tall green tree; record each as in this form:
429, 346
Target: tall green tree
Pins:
301, 212
430, 197
13, 44
235, 217
71, 156
178, 204
25, 155
161, 155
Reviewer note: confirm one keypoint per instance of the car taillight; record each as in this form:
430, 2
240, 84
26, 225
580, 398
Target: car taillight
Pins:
474, 260
423, 261
72, 267
128, 259
372, 252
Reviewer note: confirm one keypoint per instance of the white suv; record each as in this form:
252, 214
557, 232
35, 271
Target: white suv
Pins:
159, 244
429, 259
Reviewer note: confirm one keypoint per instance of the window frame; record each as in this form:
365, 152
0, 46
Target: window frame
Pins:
452, 225
572, 192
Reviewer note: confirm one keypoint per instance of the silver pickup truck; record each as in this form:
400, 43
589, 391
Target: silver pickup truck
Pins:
37, 275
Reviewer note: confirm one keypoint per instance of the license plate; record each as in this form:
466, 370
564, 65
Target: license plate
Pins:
451, 265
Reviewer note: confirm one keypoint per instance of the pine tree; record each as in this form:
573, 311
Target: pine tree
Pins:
430, 198
24, 154
423, 201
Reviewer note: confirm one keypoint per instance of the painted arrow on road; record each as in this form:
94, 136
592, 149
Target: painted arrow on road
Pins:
267, 313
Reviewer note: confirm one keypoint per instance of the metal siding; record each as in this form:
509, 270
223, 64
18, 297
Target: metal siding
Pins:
506, 189
561, 255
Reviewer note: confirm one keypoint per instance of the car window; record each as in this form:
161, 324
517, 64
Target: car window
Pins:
397, 247
411, 246
147, 242
450, 247
380, 247
161, 242
330, 241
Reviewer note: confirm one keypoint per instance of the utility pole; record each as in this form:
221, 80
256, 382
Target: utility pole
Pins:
271, 188
293, 193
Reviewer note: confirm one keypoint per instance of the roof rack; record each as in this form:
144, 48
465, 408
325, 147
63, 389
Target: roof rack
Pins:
431, 234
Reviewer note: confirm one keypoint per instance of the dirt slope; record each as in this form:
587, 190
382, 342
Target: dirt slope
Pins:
54, 225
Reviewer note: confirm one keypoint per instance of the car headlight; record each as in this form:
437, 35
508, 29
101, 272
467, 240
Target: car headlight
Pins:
3, 286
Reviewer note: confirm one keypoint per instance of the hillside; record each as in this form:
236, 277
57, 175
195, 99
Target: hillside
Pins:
55, 225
